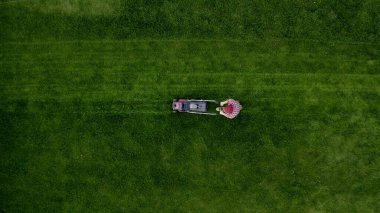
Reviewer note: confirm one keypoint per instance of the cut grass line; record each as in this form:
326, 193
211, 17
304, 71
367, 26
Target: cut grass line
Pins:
13, 2
119, 101
237, 80
134, 60
142, 74
124, 112
106, 95
290, 85
151, 52
112, 101
232, 86
189, 86
106, 112
257, 74
161, 71
186, 40
169, 112
149, 102
157, 56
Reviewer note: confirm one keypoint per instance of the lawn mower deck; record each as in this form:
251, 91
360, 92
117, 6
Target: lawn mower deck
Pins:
193, 106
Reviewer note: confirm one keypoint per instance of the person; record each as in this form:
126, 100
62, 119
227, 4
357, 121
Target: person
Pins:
231, 110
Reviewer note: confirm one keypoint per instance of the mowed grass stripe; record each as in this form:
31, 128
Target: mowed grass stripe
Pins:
162, 101
201, 65
126, 81
194, 78
183, 53
185, 58
169, 81
127, 60
210, 68
283, 105
88, 57
151, 92
196, 40
182, 48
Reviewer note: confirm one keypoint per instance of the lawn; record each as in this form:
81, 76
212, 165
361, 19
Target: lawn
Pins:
85, 106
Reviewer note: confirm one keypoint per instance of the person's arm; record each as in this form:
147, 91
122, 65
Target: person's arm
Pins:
222, 113
223, 103
226, 115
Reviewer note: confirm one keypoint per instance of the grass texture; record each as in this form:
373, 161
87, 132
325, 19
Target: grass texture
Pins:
85, 106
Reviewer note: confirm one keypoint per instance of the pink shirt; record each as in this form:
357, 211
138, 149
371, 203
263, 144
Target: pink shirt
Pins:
236, 107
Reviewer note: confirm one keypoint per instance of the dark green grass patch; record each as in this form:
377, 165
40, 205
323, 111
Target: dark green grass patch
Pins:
322, 19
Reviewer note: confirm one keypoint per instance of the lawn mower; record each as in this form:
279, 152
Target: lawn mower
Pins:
193, 106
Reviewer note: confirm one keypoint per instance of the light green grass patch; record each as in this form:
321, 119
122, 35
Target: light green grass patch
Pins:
72, 7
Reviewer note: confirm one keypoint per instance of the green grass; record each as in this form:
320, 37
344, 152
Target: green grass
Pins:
85, 99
